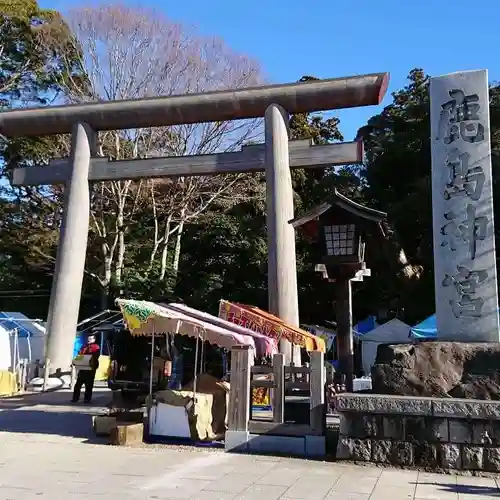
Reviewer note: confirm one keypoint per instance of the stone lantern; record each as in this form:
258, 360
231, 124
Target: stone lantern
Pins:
341, 228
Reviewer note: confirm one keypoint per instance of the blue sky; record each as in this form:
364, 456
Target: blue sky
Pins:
338, 38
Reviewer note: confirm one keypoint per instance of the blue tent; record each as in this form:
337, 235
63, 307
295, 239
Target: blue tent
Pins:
366, 325
25, 326
79, 343
427, 329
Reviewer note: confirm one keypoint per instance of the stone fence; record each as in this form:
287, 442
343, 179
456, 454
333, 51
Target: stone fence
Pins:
422, 432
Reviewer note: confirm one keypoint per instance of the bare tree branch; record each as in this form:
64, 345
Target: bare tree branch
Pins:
122, 53
132, 52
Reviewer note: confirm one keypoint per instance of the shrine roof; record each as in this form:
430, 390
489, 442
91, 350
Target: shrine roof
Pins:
342, 202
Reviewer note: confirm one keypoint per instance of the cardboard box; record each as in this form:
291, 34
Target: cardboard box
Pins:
103, 425
82, 361
127, 434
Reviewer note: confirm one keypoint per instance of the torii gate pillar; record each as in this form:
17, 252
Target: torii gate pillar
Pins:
282, 265
70, 261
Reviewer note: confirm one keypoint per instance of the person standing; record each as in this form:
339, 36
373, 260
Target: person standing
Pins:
87, 377
175, 382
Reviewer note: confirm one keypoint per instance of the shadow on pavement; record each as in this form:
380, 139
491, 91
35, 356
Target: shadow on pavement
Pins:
59, 397
52, 413
69, 424
470, 489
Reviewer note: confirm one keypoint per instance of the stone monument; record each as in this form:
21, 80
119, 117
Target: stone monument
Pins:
462, 207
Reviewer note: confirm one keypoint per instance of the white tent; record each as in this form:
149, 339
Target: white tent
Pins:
392, 332
26, 338
5, 349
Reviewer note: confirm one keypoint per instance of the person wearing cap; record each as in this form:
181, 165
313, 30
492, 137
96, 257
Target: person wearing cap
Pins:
87, 377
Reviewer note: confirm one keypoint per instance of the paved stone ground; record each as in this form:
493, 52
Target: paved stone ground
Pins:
45, 453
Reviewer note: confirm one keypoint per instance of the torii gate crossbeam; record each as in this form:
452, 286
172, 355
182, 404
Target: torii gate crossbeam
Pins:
303, 154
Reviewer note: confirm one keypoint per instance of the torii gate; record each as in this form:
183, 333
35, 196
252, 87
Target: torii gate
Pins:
275, 157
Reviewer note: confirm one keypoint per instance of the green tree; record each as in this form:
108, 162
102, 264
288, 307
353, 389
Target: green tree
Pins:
225, 257
310, 184
31, 41
31, 68
397, 172
30, 72
397, 175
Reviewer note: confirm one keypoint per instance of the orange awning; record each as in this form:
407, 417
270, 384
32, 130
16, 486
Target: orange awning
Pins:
263, 322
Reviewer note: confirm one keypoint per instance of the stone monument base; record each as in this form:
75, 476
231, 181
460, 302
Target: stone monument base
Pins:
438, 369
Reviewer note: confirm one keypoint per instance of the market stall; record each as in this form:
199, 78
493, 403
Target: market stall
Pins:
195, 412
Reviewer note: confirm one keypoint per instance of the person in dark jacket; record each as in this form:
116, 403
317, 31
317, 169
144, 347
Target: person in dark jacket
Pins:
175, 381
87, 377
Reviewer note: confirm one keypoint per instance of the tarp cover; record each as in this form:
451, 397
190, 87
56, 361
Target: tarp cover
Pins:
147, 318
427, 329
5, 349
207, 413
8, 385
364, 326
263, 322
25, 326
392, 332
265, 346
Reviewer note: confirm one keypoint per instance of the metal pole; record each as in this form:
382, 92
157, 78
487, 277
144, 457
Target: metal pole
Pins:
29, 346
16, 350
151, 368
70, 262
23, 377
282, 266
344, 330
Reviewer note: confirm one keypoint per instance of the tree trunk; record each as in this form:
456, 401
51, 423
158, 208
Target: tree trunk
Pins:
121, 255
164, 250
157, 240
106, 279
121, 198
152, 257
103, 299
177, 251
